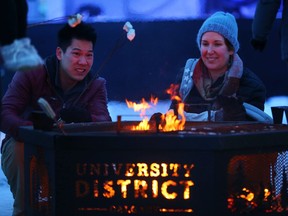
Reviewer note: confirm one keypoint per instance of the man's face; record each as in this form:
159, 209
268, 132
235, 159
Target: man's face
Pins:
75, 62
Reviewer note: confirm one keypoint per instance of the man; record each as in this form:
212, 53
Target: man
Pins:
65, 81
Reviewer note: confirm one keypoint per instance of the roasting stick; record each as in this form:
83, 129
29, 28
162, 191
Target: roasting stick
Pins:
73, 21
130, 34
45, 106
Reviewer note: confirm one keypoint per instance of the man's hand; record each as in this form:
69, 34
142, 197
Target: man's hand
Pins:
75, 114
41, 121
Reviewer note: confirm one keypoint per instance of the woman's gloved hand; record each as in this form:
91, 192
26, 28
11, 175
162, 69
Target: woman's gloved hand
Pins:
232, 107
75, 114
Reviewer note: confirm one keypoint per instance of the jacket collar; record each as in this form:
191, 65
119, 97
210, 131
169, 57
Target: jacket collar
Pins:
52, 65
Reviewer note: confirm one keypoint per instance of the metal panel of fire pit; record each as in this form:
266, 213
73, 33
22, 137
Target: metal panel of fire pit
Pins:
107, 169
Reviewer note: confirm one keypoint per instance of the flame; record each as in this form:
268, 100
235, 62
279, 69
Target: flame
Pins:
142, 107
171, 121
139, 107
143, 125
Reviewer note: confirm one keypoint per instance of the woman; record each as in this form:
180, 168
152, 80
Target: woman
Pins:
217, 81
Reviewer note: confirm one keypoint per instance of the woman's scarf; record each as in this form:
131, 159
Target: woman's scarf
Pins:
228, 87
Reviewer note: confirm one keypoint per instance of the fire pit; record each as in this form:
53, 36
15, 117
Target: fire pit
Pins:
109, 169
191, 128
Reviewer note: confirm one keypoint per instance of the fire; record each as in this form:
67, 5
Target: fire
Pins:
142, 107
248, 195
143, 125
172, 123
170, 120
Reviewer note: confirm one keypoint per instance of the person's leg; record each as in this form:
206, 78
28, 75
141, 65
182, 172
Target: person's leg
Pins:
8, 22
13, 21
19, 54
22, 12
13, 167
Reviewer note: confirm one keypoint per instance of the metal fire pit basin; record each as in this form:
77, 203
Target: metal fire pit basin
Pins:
224, 156
191, 128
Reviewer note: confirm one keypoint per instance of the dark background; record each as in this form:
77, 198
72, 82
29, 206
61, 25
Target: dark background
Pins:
149, 64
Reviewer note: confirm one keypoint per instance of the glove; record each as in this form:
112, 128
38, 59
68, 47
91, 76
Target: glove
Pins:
41, 121
75, 114
258, 44
232, 108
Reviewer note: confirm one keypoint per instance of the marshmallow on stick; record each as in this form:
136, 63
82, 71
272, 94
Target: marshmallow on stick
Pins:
75, 20
130, 31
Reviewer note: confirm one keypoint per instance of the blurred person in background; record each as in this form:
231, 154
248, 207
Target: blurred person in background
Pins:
264, 18
16, 50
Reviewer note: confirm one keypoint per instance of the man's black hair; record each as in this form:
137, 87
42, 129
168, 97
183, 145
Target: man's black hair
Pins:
82, 31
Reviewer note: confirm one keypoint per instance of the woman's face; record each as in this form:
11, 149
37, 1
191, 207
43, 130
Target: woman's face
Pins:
215, 53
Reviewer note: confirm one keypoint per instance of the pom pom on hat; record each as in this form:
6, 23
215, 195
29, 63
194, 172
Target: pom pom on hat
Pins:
222, 23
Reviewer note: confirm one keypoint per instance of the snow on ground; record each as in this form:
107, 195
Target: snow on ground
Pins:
6, 200
119, 108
